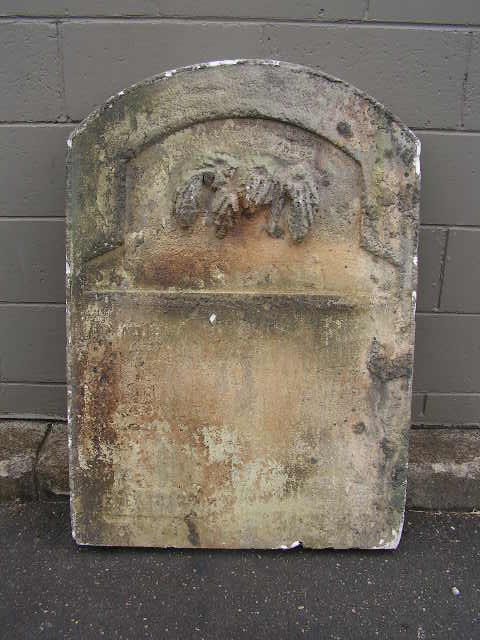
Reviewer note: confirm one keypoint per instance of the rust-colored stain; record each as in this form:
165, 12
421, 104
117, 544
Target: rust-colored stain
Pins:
240, 313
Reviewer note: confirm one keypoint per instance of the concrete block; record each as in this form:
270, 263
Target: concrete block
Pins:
450, 178
428, 11
52, 465
418, 73
32, 170
102, 58
444, 469
276, 9
471, 115
430, 254
29, 400
302, 10
68, 8
418, 400
452, 409
32, 348
19, 443
30, 78
32, 261
447, 353
461, 283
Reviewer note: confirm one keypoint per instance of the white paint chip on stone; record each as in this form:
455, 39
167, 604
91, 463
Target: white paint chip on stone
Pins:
417, 158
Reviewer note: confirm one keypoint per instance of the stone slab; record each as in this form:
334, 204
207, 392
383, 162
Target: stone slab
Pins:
242, 265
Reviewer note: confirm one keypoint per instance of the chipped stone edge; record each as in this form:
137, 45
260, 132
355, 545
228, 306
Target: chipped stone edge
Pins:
296, 68
418, 168
394, 541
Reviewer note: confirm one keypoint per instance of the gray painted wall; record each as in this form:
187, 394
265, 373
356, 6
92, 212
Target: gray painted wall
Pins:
59, 59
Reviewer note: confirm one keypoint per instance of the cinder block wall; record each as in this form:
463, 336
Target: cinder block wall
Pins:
61, 58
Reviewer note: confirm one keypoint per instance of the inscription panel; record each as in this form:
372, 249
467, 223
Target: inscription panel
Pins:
240, 313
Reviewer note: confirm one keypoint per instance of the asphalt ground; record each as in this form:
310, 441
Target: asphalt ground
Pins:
50, 588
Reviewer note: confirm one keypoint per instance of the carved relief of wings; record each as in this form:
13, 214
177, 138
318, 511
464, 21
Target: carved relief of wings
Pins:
292, 195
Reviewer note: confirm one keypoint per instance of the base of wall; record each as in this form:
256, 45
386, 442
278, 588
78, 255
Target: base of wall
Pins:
33, 459
444, 469
443, 474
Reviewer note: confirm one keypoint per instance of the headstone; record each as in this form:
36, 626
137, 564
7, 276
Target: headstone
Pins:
242, 267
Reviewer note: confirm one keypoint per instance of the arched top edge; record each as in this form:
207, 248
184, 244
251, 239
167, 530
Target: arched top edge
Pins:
287, 66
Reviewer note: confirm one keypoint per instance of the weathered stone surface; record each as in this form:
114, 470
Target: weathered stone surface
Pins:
19, 444
241, 259
52, 464
444, 469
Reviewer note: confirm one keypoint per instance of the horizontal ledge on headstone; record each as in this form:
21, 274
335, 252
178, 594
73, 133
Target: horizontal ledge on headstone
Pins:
317, 300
